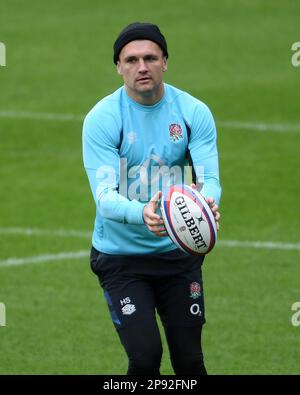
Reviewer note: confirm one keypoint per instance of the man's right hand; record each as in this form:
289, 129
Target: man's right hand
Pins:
152, 220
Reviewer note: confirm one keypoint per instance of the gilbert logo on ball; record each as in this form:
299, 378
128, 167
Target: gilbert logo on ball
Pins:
188, 220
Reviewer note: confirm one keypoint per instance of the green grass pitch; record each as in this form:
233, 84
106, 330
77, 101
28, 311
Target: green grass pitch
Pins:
233, 55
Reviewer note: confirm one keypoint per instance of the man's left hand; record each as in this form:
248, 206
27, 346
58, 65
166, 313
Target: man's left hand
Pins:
214, 208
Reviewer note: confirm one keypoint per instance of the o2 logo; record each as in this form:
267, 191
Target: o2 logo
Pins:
195, 309
296, 56
296, 316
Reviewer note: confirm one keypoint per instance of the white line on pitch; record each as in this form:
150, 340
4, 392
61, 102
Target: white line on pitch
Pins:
260, 126
84, 254
269, 245
87, 235
40, 116
44, 258
45, 232
241, 125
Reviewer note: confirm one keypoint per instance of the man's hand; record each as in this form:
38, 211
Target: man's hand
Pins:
153, 221
214, 208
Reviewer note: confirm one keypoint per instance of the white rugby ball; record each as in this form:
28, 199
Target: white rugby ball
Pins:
188, 219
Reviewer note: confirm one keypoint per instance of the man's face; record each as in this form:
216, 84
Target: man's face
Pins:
142, 64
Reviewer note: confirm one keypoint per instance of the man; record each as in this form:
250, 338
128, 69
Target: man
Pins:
131, 140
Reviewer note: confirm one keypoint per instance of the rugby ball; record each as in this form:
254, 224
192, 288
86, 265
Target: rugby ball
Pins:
188, 219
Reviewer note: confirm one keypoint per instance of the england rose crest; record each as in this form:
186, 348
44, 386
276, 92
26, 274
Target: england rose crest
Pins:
195, 290
175, 132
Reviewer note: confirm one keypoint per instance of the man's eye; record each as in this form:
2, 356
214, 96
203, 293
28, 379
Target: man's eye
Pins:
151, 58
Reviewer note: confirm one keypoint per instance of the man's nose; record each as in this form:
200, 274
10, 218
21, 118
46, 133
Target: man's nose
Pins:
142, 66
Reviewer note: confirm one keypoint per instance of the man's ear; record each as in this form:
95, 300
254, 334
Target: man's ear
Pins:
165, 64
119, 68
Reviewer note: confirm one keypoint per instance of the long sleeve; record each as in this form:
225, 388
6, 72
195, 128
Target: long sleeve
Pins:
102, 164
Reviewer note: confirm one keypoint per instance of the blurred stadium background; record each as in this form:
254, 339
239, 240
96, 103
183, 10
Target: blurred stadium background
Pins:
233, 55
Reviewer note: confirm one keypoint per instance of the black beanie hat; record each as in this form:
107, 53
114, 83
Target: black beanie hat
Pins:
139, 31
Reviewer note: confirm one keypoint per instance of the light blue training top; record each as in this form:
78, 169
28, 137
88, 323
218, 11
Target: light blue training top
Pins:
130, 151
